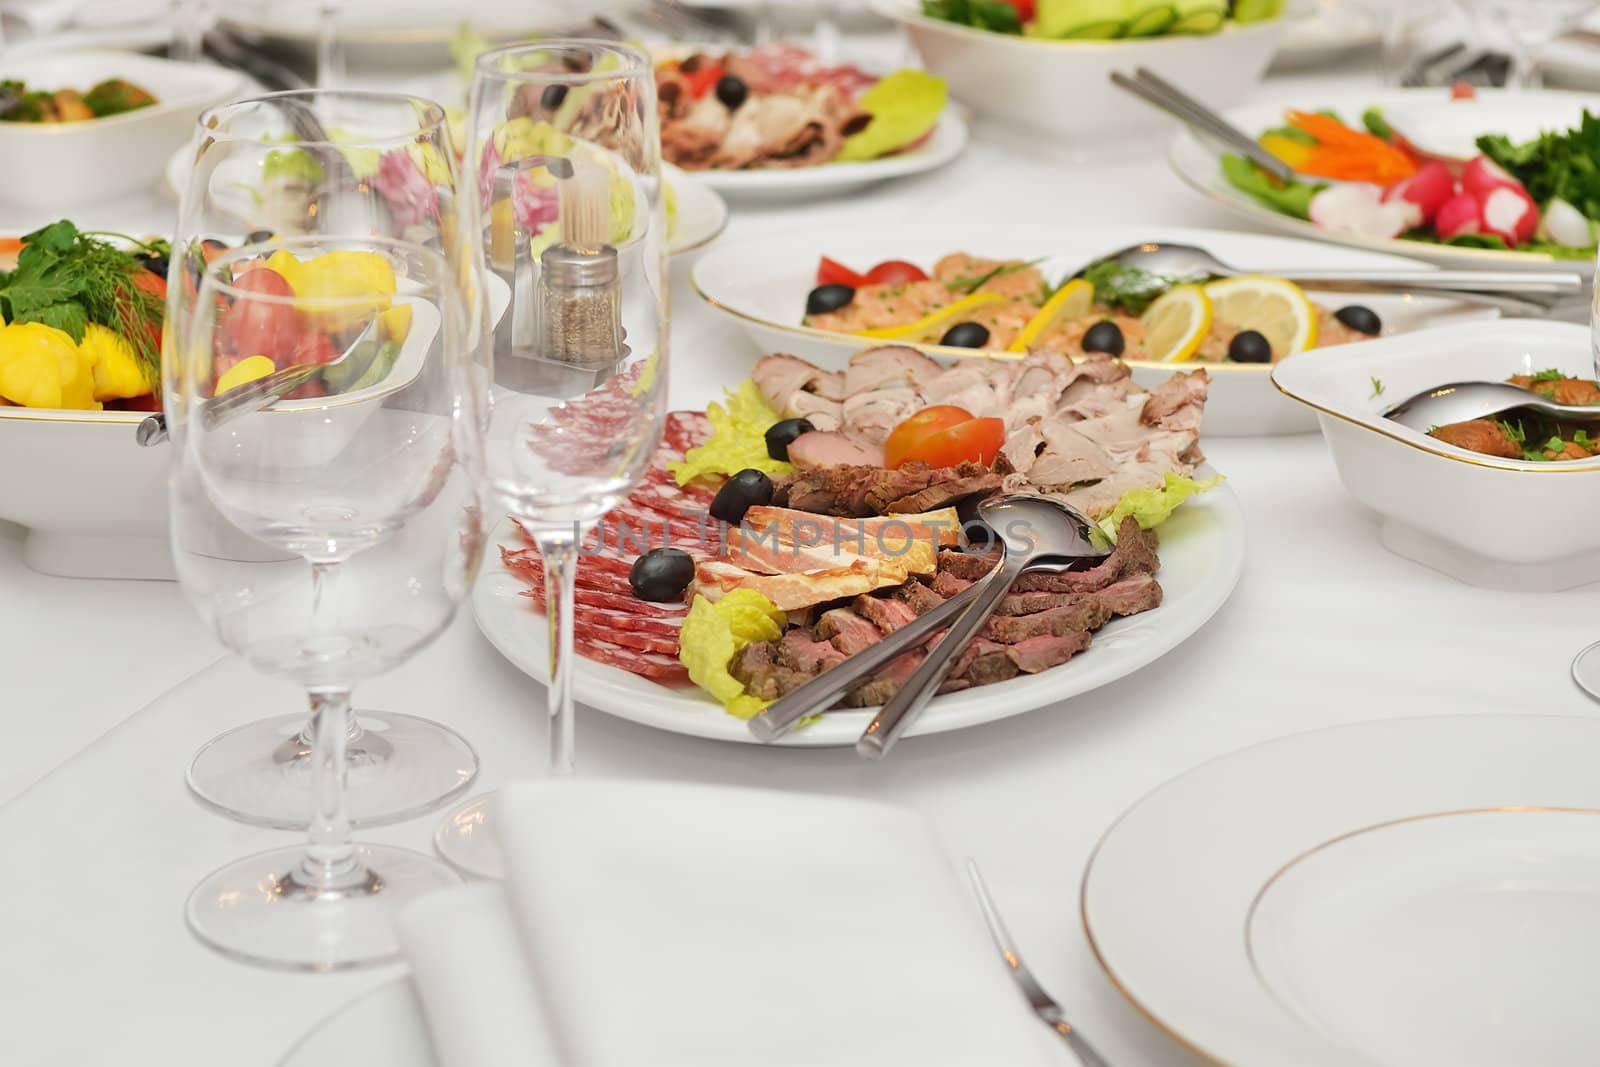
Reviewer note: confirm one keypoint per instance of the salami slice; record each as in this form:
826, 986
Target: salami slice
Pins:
652, 665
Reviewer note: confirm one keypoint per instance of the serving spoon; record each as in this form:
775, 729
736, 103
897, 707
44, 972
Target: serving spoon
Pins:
1465, 401
1190, 263
1032, 531
821, 692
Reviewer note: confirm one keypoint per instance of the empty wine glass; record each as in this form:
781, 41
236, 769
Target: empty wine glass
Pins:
1525, 27
565, 140
276, 167
325, 524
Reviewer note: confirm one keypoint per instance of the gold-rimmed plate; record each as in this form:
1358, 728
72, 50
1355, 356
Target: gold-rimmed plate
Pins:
761, 282
1407, 891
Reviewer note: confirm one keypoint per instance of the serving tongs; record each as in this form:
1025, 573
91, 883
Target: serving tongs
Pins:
265, 391
1157, 91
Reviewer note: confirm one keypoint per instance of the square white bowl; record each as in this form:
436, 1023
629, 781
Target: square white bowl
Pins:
1483, 520
61, 165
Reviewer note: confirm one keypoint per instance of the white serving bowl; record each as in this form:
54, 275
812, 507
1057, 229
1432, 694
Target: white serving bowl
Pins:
1497, 523
59, 165
1064, 87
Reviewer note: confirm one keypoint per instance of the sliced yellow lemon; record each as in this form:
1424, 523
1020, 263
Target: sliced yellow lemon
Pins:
246, 370
1277, 309
1176, 323
1071, 301
934, 320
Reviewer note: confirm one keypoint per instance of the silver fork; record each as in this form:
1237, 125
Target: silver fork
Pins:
1044, 1006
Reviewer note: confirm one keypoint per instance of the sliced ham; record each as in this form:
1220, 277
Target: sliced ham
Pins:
822, 448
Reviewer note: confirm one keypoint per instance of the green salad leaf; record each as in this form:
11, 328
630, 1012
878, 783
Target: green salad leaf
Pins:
738, 438
1493, 241
993, 15
904, 106
1553, 164
1152, 507
1288, 198
1376, 124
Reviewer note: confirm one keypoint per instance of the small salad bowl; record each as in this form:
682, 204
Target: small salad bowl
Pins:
1485, 520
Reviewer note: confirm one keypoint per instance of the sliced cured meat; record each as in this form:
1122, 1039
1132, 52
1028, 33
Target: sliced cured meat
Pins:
653, 665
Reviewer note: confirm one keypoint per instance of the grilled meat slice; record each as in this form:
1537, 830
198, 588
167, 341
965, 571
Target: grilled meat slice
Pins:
886, 613
1034, 654
800, 651
886, 683
757, 666
847, 631
1085, 614
947, 491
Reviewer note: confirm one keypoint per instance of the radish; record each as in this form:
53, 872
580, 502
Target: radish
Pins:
1566, 225
1461, 214
1428, 188
1358, 208
1510, 214
1483, 176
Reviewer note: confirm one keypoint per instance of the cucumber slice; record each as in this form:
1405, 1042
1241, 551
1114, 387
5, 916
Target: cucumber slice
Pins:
1081, 19
1199, 16
1256, 10
1152, 20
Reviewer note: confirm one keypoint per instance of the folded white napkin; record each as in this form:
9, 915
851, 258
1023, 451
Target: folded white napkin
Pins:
696, 926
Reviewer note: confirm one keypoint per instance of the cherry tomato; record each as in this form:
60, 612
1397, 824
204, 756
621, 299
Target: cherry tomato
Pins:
904, 438
313, 348
896, 272
974, 441
270, 328
703, 79
1463, 91
832, 272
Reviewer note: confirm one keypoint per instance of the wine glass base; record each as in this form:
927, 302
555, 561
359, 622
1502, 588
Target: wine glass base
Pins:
1586, 670
467, 842
400, 767
252, 911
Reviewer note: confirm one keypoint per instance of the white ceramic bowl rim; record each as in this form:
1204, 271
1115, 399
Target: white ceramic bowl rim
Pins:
192, 97
901, 11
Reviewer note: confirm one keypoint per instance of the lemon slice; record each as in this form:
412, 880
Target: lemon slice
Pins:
246, 370
1277, 309
1071, 301
930, 322
1176, 323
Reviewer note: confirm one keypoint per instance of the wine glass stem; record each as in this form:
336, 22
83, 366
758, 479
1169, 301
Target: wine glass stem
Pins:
560, 552
330, 71
330, 861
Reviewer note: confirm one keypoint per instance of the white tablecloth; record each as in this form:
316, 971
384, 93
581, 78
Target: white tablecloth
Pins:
110, 687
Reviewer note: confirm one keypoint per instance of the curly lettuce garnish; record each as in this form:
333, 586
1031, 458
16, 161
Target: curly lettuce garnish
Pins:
713, 633
738, 439
904, 107
1154, 506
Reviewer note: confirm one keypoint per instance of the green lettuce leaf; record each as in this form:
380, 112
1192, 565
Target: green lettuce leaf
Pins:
1289, 198
1555, 164
904, 106
738, 438
1152, 507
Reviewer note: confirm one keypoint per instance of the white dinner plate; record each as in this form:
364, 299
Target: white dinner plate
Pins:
385, 1025
763, 284
1420, 891
1202, 553
826, 179
1427, 114
702, 213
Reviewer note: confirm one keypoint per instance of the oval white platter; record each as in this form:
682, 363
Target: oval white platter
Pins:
1419, 891
762, 283
1423, 114
1202, 554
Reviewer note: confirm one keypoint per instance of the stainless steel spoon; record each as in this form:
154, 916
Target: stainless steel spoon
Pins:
821, 692
1190, 264
1465, 401
1032, 530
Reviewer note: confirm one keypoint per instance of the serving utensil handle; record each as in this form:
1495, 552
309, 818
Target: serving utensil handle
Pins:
1552, 283
1159, 93
818, 695
900, 710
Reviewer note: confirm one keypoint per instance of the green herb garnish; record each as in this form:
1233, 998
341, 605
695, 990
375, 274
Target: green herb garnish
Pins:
1377, 389
972, 283
1128, 288
1549, 375
1515, 432
1565, 165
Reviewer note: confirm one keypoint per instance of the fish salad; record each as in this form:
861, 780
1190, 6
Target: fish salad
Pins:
1527, 437
973, 302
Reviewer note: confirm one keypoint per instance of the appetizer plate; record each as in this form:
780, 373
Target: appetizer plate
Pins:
385, 1025
702, 213
1459, 512
1063, 88
948, 141
52, 166
1202, 553
1417, 891
1427, 115
763, 283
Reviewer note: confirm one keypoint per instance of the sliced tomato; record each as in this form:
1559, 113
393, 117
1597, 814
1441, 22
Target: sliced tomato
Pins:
313, 348
896, 272
905, 437
973, 441
270, 327
1463, 91
832, 272
703, 79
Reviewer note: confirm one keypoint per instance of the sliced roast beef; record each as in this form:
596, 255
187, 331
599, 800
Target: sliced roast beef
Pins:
968, 566
1034, 654
947, 491
886, 613
1085, 614
847, 631
921, 599
948, 585
756, 665
799, 651
1131, 595
886, 683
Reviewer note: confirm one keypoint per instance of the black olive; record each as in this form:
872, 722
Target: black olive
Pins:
826, 298
157, 265
966, 335
732, 90
1249, 346
745, 490
258, 237
1361, 319
1104, 337
661, 574
782, 433
552, 97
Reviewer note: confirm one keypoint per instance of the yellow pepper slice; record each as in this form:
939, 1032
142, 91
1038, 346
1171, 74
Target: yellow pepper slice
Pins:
339, 291
116, 370
1071, 301
1287, 149
41, 367
933, 320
